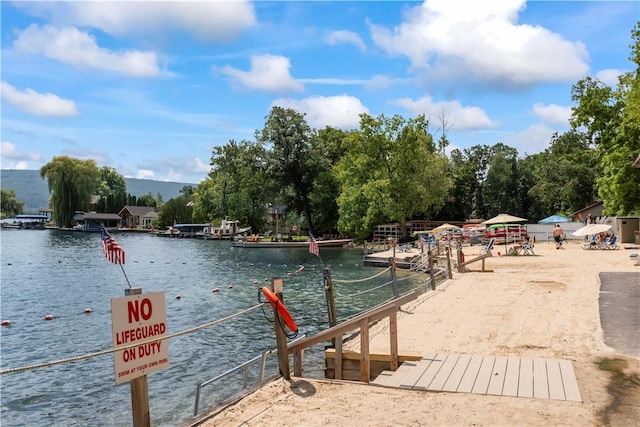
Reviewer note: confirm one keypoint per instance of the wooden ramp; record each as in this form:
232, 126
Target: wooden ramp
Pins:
462, 267
494, 375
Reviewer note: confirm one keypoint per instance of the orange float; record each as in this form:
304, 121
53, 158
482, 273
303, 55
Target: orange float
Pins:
282, 310
6, 322
48, 317
87, 310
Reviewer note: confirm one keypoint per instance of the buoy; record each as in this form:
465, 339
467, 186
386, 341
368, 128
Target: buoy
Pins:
48, 317
255, 282
230, 286
301, 268
178, 297
282, 310
87, 310
266, 279
6, 322
215, 290
288, 274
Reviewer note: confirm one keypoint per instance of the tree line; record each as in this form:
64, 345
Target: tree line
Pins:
392, 169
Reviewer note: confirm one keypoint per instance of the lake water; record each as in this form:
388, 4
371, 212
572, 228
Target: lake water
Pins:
63, 273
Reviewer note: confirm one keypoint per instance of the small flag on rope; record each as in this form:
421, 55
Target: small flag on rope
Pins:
313, 246
112, 250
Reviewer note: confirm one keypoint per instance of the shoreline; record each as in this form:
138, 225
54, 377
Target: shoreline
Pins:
544, 306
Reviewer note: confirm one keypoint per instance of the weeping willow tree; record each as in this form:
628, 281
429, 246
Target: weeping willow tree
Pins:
71, 184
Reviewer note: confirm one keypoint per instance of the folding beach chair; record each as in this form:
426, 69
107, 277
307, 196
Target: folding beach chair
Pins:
488, 247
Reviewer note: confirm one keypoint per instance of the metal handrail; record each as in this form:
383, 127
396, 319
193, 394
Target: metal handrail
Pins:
243, 366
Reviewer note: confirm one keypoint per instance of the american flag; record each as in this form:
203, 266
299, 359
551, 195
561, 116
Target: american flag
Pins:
313, 246
112, 250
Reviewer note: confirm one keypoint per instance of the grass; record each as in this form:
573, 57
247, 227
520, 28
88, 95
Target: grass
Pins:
622, 387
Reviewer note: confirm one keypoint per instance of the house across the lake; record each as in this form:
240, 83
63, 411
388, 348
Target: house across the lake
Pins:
138, 216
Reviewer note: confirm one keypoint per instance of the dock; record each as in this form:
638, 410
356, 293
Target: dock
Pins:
402, 257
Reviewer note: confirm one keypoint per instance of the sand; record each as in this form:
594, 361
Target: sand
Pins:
531, 306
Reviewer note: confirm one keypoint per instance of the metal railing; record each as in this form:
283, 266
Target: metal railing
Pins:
242, 367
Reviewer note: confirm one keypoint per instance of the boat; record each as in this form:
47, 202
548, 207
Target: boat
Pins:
262, 243
25, 222
228, 230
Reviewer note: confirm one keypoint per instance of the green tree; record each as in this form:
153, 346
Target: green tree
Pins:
175, 211
71, 183
236, 187
327, 149
9, 204
565, 175
391, 171
610, 117
500, 187
291, 165
112, 189
146, 200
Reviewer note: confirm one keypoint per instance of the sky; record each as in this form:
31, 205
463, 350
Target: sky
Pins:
150, 88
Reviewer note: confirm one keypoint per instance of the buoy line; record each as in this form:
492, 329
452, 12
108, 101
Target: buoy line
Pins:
113, 350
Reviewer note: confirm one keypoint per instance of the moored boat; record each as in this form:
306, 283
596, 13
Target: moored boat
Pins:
335, 243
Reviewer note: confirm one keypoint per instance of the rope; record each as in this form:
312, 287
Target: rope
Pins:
113, 350
365, 291
361, 280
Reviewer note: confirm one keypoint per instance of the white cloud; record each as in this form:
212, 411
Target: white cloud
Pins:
345, 36
268, 72
12, 158
381, 81
72, 46
334, 81
145, 174
337, 111
201, 166
483, 40
553, 114
533, 139
457, 115
609, 76
206, 20
38, 104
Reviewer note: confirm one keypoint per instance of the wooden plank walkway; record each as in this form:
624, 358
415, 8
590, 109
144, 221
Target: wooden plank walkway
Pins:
495, 375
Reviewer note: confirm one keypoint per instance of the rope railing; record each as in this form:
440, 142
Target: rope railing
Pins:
362, 280
113, 350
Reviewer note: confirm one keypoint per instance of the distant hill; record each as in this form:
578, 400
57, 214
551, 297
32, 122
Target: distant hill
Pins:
34, 192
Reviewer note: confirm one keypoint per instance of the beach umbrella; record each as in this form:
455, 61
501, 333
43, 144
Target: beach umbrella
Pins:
591, 229
444, 227
554, 219
504, 219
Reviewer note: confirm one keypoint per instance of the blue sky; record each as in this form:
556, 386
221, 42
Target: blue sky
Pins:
151, 87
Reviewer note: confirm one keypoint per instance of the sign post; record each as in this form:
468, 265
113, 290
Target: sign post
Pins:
138, 317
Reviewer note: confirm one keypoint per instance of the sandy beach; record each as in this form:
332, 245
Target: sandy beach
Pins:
542, 306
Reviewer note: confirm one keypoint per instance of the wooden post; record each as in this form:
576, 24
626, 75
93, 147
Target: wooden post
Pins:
393, 341
364, 350
281, 337
394, 283
139, 389
330, 297
433, 278
449, 272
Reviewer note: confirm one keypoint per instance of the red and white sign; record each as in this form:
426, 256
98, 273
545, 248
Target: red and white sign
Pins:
139, 319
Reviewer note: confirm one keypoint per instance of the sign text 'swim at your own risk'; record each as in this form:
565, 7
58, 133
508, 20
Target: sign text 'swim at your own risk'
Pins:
139, 319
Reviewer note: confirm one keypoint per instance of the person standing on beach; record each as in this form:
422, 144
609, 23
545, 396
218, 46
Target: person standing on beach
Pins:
557, 236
